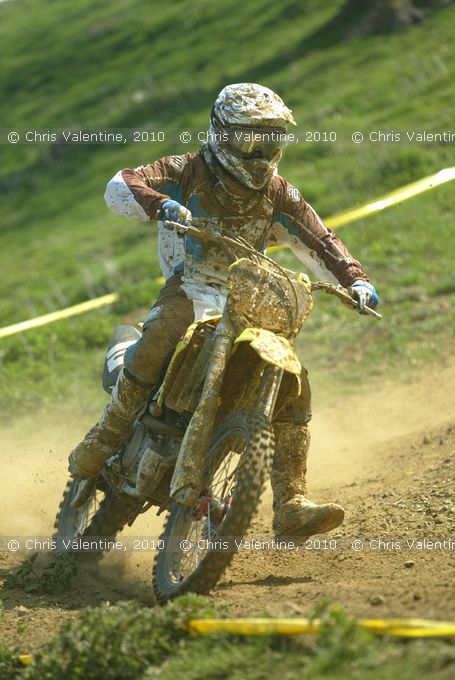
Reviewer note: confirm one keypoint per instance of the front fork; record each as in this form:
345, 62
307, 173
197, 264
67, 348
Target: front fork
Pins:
185, 484
268, 390
186, 480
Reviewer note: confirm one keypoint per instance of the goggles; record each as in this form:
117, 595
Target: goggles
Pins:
256, 142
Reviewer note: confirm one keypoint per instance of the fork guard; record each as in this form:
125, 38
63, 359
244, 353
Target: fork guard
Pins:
185, 483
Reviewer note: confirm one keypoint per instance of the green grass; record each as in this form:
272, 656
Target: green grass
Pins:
127, 641
413, 271
127, 64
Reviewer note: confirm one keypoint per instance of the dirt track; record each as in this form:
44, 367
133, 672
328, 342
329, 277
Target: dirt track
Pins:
388, 457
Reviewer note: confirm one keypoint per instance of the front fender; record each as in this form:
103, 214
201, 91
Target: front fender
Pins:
273, 349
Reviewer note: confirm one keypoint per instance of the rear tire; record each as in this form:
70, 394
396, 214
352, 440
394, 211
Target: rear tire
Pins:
103, 515
249, 476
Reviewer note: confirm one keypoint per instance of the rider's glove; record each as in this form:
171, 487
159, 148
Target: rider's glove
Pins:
175, 212
365, 294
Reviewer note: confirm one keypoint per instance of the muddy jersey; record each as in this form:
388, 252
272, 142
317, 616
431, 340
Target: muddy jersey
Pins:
276, 215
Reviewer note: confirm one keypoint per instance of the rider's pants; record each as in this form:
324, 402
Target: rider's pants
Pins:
166, 322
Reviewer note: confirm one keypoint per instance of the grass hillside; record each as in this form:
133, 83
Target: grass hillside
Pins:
159, 66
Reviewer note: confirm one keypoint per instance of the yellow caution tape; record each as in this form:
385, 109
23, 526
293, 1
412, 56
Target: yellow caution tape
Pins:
25, 659
411, 628
407, 628
81, 308
386, 201
334, 221
394, 197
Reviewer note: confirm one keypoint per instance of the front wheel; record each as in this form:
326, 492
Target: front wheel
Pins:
199, 542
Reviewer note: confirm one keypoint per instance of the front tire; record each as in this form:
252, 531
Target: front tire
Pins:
232, 495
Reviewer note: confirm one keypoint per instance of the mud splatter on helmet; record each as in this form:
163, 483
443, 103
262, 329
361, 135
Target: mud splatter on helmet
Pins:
248, 132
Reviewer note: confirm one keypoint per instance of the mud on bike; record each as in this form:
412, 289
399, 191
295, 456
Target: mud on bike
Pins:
202, 448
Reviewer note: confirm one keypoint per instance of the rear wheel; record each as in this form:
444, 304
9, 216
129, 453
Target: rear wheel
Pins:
103, 515
199, 542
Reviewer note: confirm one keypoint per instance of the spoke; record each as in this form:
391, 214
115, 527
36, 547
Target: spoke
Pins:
219, 489
223, 470
196, 547
228, 478
86, 513
219, 479
209, 523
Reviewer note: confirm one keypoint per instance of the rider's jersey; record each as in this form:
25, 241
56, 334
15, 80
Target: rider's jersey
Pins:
276, 215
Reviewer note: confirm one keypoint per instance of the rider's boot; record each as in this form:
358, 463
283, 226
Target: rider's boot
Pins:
114, 426
294, 515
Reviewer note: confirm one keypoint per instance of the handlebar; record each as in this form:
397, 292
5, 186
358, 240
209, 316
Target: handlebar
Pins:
231, 241
343, 295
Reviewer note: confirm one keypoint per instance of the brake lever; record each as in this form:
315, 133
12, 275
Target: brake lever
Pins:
356, 305
183, 229
369, 310
344, 296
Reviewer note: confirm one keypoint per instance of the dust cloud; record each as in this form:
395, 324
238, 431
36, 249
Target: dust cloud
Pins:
344, 442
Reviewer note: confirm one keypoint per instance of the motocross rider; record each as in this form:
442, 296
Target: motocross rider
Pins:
234, 179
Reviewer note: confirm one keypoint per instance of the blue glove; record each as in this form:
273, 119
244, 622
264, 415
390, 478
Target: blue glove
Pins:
175, 212
365, 294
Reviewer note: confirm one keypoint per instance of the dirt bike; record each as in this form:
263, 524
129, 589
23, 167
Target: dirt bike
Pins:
203, 446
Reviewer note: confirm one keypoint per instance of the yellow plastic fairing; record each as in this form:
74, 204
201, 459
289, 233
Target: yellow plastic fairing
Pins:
273, 349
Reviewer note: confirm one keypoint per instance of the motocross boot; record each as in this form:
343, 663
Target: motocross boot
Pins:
294, 515
109, 433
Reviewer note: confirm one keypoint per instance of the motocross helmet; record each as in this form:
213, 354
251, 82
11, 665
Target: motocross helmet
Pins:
248, 132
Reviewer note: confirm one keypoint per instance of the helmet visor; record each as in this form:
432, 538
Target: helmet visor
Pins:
256, 142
